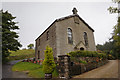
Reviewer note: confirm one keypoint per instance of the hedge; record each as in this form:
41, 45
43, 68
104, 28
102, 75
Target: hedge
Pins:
87, 54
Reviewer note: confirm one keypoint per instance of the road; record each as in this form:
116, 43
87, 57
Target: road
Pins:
109, 70
8, 73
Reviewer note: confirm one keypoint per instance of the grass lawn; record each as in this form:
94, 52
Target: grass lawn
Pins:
34, 70
21, 54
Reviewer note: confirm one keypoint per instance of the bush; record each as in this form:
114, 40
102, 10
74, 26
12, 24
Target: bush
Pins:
84, 62
87, 54
110, 57
48, 63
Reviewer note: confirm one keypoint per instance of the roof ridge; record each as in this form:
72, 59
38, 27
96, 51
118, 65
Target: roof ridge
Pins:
66, 17
62, 18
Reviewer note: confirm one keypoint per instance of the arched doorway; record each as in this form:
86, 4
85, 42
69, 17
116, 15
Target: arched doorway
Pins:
82, 49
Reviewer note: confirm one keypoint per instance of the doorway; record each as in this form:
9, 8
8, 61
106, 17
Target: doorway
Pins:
82, 49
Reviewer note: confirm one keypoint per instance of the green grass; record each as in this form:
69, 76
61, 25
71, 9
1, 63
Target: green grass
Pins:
25, 66
34, 70
21, 54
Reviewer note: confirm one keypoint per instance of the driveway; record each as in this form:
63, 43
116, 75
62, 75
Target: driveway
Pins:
109, 70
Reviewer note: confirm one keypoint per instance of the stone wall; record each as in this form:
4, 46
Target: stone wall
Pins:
67, 69
77, 30
42, 42
64, 66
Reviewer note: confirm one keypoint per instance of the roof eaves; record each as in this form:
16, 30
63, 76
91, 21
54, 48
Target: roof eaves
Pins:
85, 23
46, 29
63, 18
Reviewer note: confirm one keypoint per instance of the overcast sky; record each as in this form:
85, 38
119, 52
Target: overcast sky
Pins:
35, 17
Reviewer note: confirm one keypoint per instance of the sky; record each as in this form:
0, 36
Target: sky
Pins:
35, 17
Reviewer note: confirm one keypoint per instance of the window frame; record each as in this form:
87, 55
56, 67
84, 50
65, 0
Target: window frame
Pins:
47, 37
39, 42
70, 35
85, 38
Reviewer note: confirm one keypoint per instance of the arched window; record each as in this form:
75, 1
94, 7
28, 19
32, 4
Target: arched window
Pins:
70, 38
86, 39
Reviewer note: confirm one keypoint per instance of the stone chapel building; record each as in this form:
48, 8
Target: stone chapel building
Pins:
64, 35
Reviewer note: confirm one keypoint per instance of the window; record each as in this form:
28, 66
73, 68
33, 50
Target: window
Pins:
86, 39
70, 38
47, 35
38, 54
39, 41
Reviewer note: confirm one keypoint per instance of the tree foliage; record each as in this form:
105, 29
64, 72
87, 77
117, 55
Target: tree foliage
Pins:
107, 46
48, 63
9, 36
30, 46
116, 37
114, 9
116, 31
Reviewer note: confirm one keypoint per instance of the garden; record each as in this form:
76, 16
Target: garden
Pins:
33, 70
80, 62
83, 61
86, 57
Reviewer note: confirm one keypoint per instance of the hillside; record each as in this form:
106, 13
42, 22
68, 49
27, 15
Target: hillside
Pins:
22, 54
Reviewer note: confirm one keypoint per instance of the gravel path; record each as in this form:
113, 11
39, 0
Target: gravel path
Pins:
110, 70
8, 73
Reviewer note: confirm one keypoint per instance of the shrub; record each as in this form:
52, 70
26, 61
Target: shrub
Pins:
84, 62
110, 57
48, 63
87, 54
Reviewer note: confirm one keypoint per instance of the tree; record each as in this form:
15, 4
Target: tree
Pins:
9, 36
116, 31
48, 63
116, 38
107, 47
100, 47
114, 9
30, 46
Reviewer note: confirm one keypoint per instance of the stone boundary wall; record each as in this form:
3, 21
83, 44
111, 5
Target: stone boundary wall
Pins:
67, 69
77, 69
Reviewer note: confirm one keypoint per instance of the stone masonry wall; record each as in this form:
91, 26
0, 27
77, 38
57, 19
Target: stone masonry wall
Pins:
77, 30
44, 42
58, 38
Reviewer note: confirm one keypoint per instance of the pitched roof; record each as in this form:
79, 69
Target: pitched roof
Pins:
60, 19
63, 18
